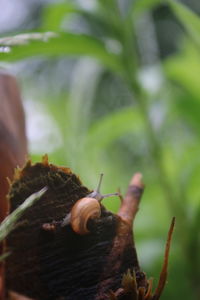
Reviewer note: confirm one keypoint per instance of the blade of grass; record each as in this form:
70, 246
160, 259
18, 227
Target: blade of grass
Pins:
8, 224
141, 6
4, 256
66, 44
24, 38
54, 13
189, 20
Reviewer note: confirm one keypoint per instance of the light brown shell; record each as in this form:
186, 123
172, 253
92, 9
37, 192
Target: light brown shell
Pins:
83, 210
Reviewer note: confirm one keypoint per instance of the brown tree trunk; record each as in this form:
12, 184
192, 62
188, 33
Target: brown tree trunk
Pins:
13, 143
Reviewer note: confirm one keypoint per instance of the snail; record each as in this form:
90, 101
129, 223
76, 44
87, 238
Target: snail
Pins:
84, 209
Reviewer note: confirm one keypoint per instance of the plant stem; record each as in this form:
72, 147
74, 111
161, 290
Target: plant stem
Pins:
156, 153
130, 67
173, 202
154, 145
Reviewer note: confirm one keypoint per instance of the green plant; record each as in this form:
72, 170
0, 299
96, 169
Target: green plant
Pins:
128, 133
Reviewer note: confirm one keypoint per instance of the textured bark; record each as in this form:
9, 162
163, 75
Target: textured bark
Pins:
51, 261
59, 263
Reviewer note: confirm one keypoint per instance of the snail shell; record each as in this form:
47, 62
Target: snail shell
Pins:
84, 209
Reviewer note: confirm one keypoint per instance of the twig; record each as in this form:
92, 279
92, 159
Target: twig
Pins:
163, 274
130, 203
124, 235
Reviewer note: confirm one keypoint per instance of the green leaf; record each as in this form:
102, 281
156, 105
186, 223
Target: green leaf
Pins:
55, 13
184, 68
24, 38
111, 127
9, 222
66, 44
140, 6
194, 242
189, 20
98, 22
107, 5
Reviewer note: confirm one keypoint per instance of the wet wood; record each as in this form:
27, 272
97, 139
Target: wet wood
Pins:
62, 263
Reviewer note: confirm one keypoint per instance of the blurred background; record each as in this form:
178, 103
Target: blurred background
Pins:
114, 87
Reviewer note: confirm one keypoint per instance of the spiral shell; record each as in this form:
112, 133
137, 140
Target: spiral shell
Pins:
84, 209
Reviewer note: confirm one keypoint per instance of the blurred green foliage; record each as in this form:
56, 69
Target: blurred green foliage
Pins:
125, 109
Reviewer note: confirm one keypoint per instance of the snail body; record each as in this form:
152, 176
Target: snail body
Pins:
84, 209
